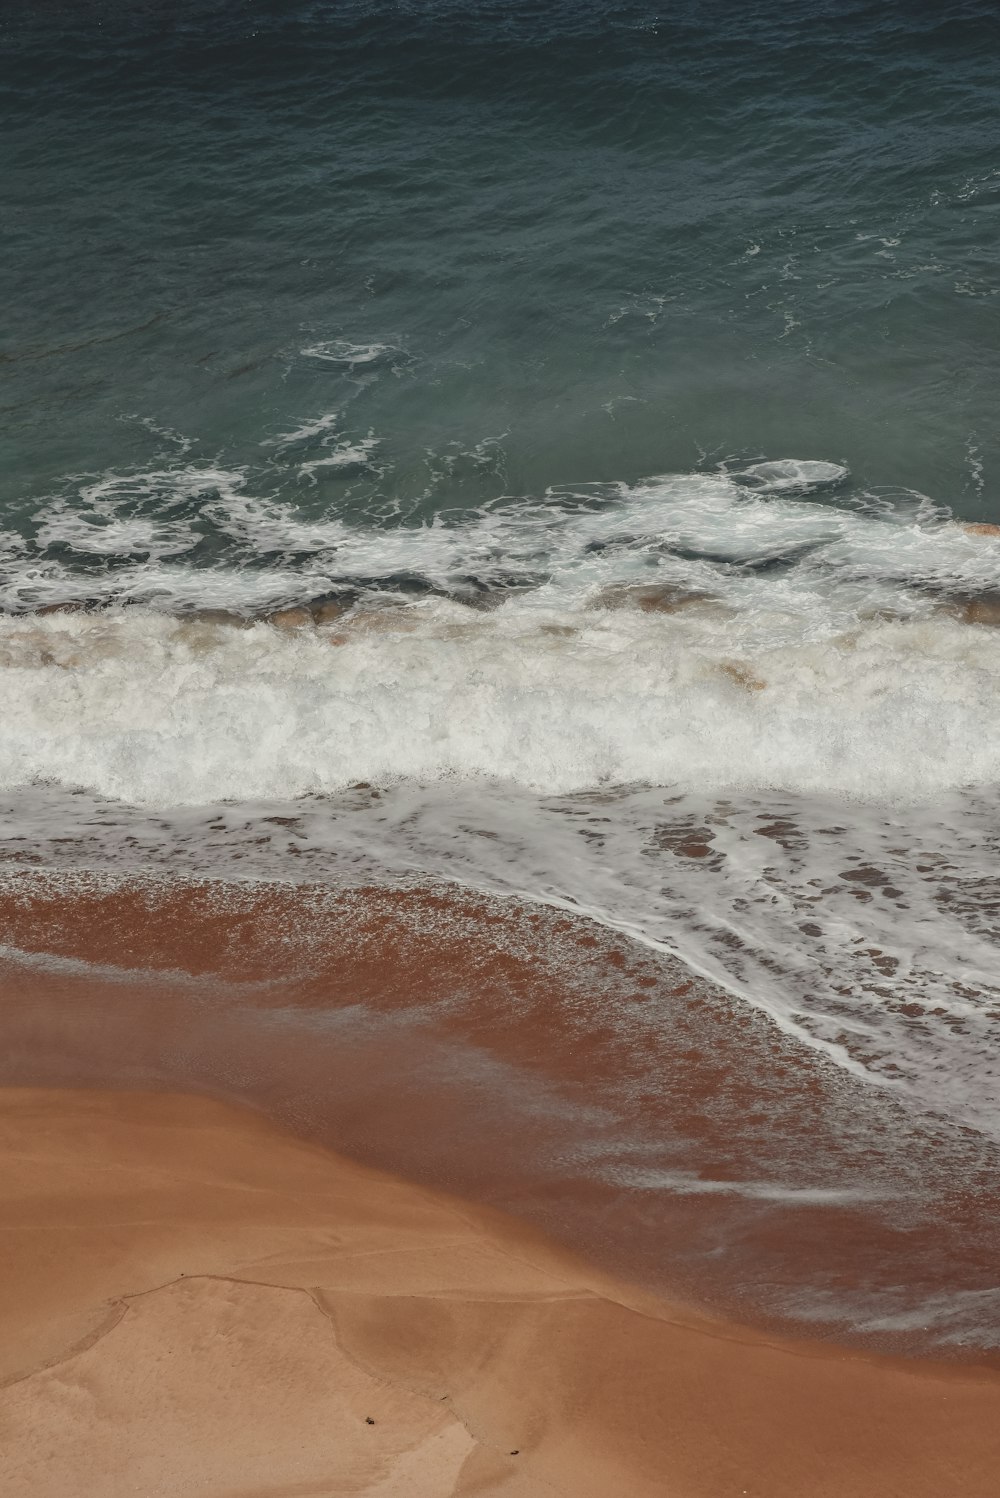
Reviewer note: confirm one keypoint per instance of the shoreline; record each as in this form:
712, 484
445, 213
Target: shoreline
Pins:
239, 1304
527, 1060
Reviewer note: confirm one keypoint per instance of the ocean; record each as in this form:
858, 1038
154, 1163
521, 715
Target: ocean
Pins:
544, 453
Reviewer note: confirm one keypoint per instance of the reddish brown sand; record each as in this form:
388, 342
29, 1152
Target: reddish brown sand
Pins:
195, 1303
531, 1062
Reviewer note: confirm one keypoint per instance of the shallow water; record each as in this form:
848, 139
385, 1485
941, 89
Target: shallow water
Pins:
526, 1058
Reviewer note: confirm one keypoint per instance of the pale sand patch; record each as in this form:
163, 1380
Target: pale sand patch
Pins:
211, 1385
195, 1304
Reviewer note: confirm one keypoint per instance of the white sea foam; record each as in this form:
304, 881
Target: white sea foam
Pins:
125, 515
342, 454
956, 1318
730, 722
320, 426
685, 1183
709, 532
868, 935
150, 709
794, 473
838, 671
338, 449
350, 355
103, 535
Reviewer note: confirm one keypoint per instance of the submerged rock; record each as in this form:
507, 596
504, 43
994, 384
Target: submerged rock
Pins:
329, 610
651, 598
293, 618
982, 611
61, 608
224, 617
740, 673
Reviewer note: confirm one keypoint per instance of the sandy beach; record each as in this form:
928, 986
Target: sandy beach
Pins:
195, 1302
528, 1060
417, 1264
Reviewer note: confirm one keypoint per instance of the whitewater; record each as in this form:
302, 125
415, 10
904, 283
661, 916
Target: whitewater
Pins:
746, 716
702, 632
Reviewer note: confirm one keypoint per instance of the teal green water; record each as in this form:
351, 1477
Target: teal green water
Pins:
494, 247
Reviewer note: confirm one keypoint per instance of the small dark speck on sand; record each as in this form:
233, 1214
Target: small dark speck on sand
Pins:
369, 1420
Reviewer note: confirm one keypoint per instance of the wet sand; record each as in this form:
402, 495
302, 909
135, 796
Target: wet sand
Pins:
531, 1061
196, 1303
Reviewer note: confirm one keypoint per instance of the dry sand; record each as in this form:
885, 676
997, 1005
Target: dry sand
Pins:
195, 1303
